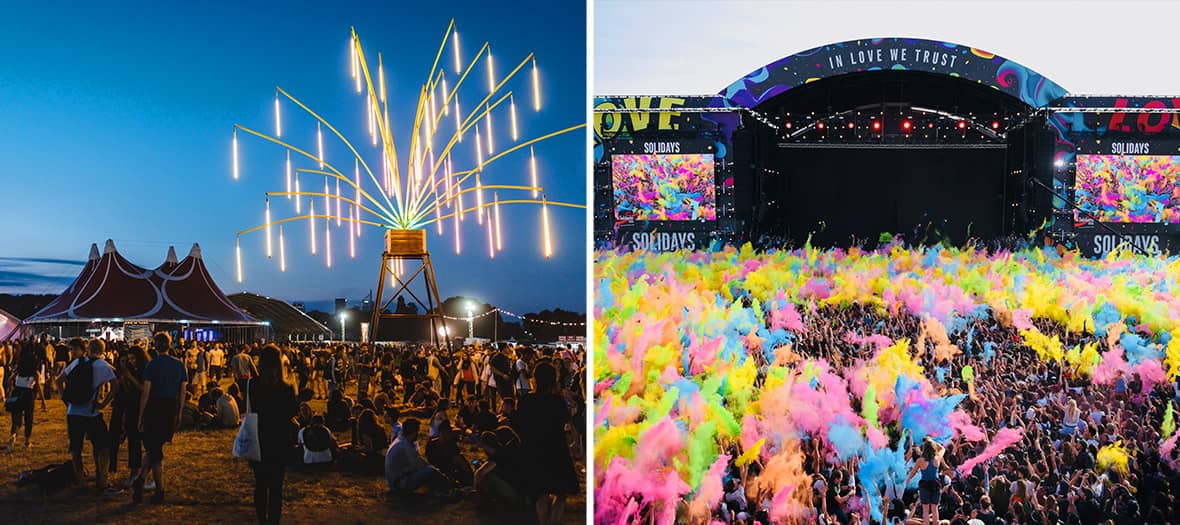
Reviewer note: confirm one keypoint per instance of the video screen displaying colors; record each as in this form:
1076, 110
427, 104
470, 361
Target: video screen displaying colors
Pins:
1129, 188
664, 187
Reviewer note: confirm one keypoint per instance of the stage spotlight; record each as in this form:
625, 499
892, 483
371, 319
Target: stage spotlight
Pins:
787, 125
819, 125
906, 125
962, 125
995, 124
876, 125
851, 125
930, 125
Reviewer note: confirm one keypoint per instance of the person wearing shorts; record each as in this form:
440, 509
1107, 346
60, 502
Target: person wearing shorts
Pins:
164, 382
930, 484
84, 420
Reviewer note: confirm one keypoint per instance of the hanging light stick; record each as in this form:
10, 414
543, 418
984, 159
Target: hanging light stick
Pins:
427, 186
268, 249
238, 256
282, 251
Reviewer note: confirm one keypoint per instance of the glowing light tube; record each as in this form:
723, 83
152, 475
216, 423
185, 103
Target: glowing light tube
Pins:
235, 143
487, 118
491, 242
238, 256
319, 139
512, 113
282, 251
458, 64
328, 240
548, 239
496, 209
311, 221
536, 87
478, 199
269, 251
289, 175
533, 170
458, 249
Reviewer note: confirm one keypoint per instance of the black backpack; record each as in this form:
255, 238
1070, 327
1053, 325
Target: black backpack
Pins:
80, 383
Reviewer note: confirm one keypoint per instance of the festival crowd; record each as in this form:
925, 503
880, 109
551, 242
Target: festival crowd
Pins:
815, 386
504, 423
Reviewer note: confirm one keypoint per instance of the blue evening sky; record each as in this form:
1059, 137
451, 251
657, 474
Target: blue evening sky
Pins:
115, 122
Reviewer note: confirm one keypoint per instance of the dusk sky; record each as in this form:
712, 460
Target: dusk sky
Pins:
117, 123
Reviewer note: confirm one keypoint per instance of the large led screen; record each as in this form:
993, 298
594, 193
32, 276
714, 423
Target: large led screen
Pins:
1128, 188
664, 187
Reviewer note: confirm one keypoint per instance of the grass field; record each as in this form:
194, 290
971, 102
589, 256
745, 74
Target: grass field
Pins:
206, 485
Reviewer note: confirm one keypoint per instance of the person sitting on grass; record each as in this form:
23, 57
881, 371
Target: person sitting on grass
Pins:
406, 471
369, 443
232, 391
440, 416
192, 417
504, 477
319, 445
424, 401
305, 414
339, 417
228, 415
392, 418
206, 402
443, 452
507, 412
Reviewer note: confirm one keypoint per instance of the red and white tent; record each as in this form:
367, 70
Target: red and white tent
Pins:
8, 324
111, 288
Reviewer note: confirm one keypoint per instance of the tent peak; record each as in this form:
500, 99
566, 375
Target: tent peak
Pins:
93, 252
171, 255
195, 252
109, 248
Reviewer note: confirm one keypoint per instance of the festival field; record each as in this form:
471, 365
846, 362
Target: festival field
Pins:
736, 381
205, 485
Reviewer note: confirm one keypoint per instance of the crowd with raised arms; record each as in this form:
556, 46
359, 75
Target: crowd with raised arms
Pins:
475, 410
903, 385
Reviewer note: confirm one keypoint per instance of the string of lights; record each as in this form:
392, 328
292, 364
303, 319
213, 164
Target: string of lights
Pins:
510, 314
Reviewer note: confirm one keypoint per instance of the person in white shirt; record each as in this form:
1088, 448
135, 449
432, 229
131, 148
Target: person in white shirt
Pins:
523, 385
317, 442
84, 419
216, 362
228, 414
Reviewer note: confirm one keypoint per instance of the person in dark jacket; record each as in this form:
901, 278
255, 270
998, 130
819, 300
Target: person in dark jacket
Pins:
274, 400
541, 418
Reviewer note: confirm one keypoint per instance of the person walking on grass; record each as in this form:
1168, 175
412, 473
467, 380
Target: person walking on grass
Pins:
82, 383
273, 399
160, 406
22, 387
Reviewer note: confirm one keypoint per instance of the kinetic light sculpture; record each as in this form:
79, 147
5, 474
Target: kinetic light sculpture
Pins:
428, 189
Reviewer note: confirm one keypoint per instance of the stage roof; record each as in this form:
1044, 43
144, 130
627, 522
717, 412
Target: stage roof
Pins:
284, 319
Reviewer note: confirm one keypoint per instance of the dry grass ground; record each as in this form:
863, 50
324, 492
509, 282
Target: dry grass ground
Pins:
206, 485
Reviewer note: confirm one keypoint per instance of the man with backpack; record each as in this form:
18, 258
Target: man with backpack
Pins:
81, 382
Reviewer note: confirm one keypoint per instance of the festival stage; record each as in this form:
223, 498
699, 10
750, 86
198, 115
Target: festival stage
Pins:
934, 141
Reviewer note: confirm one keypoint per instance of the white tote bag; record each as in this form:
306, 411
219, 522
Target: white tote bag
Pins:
246, 444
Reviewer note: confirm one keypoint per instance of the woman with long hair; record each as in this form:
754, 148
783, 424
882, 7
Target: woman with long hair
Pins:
125, 414
271, 397
541, 417
930, 484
